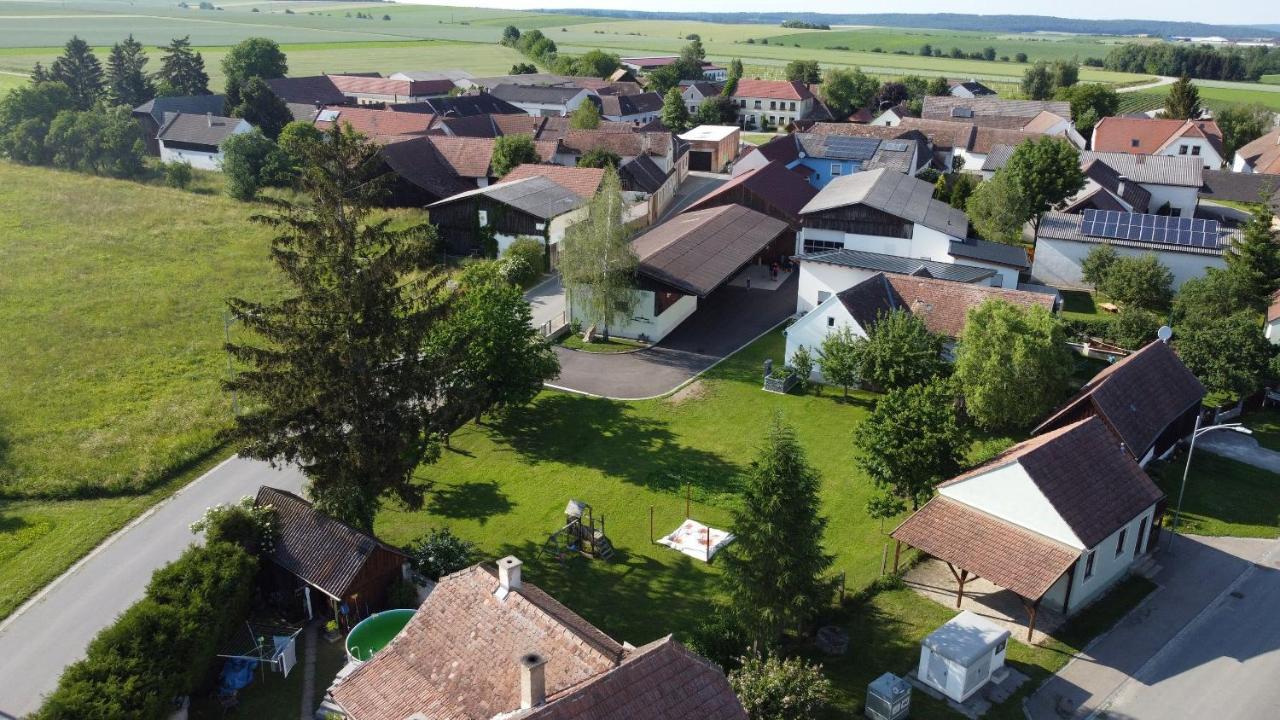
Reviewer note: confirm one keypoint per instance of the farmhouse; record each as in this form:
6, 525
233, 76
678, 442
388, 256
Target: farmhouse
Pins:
991, 111
823, 153
460, 106
543, 100
364, 90
487, 644
197, 139
380, 126
1260, 156
635, 109
888, 213
1106, 189
313, 90
772, 189
710, 71
533, 206
1056, 520
892, 116
151, 114
1200, 139
827, 272
1186, 245
772, 103
1149, 399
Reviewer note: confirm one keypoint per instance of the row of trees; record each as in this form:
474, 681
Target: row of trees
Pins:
542, 49
1198, 61
1042, 80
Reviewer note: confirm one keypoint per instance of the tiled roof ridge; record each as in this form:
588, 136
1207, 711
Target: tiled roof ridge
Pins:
1026, 447
563, 616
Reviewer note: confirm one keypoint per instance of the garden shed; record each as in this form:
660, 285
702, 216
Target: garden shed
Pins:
960, 657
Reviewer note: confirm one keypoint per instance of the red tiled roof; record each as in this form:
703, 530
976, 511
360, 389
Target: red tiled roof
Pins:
581, 181
359, 84
943, 133
772, 90
1010, 556
380, 125
1263, 153
1138, 396
1118, 134
625, 144
944, 305
469, 157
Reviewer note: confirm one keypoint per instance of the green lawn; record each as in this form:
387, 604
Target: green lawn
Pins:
1265, 424
1214, 97
574, 341
758, 138
1224, 497
273, 696
1084, 305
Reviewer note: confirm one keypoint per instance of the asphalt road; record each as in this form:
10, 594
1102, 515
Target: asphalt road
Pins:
54, 629
1225, 665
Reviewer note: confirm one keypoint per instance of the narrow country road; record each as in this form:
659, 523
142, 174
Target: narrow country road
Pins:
54, 628
1164, 80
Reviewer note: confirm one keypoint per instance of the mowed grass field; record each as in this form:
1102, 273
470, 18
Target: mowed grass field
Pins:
1038, 46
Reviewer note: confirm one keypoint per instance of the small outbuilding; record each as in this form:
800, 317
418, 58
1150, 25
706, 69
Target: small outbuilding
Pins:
960, 657
712, 147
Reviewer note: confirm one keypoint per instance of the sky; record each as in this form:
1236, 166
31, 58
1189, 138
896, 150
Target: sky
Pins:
1221, 12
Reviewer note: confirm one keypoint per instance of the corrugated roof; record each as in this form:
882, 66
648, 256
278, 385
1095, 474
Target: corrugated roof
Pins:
540, 94
698, 251
772, 183
954, 272
900, 195
1152, 169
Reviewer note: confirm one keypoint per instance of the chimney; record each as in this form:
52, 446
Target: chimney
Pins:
533, 680
508, 576
208, 117
1120, 185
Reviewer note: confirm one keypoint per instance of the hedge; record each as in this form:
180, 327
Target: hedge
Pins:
163, 646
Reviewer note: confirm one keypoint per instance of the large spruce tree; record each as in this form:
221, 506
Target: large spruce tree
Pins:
127, 80
78, 68
339, 378
182, 70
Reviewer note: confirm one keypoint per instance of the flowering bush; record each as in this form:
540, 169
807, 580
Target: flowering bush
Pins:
243, 523
439, 553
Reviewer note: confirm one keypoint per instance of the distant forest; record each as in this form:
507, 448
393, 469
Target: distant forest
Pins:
1197, 61
954, 21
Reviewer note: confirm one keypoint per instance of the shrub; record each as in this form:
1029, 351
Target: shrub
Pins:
177, 174
244, 523
527, 259
802, 361
775, 689
719, 638
402, 594
439, 553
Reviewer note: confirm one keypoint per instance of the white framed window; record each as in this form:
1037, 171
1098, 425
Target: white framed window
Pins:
1088, 565
1182, 149
1195, 149
812, 246
1120, 542
836, 169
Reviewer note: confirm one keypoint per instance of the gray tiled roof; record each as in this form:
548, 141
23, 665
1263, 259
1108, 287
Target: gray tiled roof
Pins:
895, 155
543, 94
892, 192
201, 104
210, 130
642, 174
1061, 226
537, 196
900, 265
940, 107
1147, 169
995, 252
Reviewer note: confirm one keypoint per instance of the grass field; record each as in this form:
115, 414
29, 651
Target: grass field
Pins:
891, 40
1224, 497
1214, 94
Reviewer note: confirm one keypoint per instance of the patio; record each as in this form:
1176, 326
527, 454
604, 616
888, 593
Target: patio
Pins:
934, 580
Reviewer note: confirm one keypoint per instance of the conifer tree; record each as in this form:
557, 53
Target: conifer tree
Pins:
78, 68
1183, 101
182, 70
1254, 259
127, 81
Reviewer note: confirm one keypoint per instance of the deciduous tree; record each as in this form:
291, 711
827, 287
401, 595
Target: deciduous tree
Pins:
899, 352
600, 158
847, 89
1047, 171
253, 57
838, 358
1229, 355
1242, 124
597, 264
1141, 281
772, 688
717, 110
510, 151
803, 71
911, 441
262, 108
674, 113
998, 210
585, 117
1037, 82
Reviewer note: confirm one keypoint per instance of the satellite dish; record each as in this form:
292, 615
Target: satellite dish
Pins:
1164, 333
803, 155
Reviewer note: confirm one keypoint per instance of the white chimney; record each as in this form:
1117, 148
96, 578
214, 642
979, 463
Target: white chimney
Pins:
208, 117
533, 680
508, 576
1120, 185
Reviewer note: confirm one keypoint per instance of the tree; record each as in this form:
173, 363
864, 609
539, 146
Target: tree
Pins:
439, 553
998, 210
988, 53
1141, 281
1213, 296
524, 68
127, 81
663, 79
911, 441
1012, 364
892, 93
510, 35
596, 63
1134, 327
1229, 355
689, 64
771, 688
503, 360
78, 68
926, 50
182, 70
1255, 258
900, 352
939, 86
802, 362
1097, 263
262, 108
675, 115
252, 57
838, 358
961, 189
1183, 100
1065, 73
717, 110
251, 161
847, 89
597, 263
1089, 103
1037, 82
345, 382
773, 570
104, 141
25, 115
803, 71
1047, 171
585, 117
510, 151
1020, 57
731, 81
1241, 124
296, 143
600, 158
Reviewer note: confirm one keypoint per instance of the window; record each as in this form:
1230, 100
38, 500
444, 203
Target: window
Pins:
813, 246
836, 169
1133, 142
757, 105
1195, 150
1182, 149
1120, 542
1088, 566
793, 106
773, 105
831, 321
1142, 535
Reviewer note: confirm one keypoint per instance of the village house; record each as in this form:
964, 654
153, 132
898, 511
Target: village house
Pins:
969, 89
312, 90
695, 91
488, 644
379, 125
821, 155
151, 114
364, 90
886, 212
635, 109
772, 189
1200, 139
1106, 189
890, 117
457, 107
662, 148
710, 71
1057, 520
1259, 156
772, 103
197, 140
543, 100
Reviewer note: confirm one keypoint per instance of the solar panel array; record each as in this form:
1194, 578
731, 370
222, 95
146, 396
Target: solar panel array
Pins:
838, 147
1163, 229
894, 146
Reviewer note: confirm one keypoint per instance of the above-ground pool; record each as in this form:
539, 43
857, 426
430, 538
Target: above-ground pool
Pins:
374, 632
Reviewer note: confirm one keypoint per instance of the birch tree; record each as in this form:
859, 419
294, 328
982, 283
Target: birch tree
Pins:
597, 263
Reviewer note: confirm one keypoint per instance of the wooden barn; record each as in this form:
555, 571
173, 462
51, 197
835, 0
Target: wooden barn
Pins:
319, 563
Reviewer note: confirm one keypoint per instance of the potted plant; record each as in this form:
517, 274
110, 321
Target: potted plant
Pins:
331, 631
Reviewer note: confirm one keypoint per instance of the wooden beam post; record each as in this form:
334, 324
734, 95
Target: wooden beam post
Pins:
1031, 613
964, 575
954, 574
897, 550
688, 500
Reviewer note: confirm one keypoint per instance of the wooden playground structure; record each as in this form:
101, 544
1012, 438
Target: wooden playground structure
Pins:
579, 534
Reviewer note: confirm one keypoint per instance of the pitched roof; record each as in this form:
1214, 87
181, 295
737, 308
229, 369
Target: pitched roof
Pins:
458, 656
469, 157
1138, 396
317, 548
641, 174
377, 125
698, 251
954, 272
624, 144
581, 181
900, 195
972, 86
837, 147
1064, 226
310, 89
942, 107
1091, 482
985, 138
650, 102
772, 90
539, 94
773, 183
1148, 136
1263, 154
475, 103
1044, 122
194, 104
210, 130
1008, 555
706, 88
361, 85
660, 680
538, 196
1184, 171
999, 253
943, 305
416, 160
942, 133
1241, 187
1100, 173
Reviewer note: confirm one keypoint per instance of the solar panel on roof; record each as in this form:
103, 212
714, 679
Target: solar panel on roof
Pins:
894, 146
1150, 228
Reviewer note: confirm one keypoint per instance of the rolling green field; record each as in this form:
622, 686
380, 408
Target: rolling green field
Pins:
1036, 46
1211, 96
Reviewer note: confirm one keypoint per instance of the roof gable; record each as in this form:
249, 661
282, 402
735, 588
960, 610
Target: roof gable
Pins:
1009, 493
1263, 154
583, 182
1148, 136
900, 195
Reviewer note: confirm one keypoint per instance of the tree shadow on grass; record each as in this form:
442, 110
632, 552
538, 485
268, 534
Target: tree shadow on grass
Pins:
475, 500
607, 436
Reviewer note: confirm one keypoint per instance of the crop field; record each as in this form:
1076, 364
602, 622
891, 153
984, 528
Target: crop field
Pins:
890, 40
1211, 96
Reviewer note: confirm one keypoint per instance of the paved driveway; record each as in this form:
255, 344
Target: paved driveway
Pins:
54, 629
1147, 649
1240, 448
727, 320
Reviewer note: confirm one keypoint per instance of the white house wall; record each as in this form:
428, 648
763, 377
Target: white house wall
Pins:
925, 243
1008, 493
194, 158
1107, 567
1182, 198
643, 324
818, 278
1058, 262
810, 330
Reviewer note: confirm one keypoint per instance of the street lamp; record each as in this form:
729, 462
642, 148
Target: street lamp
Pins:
1233, 427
